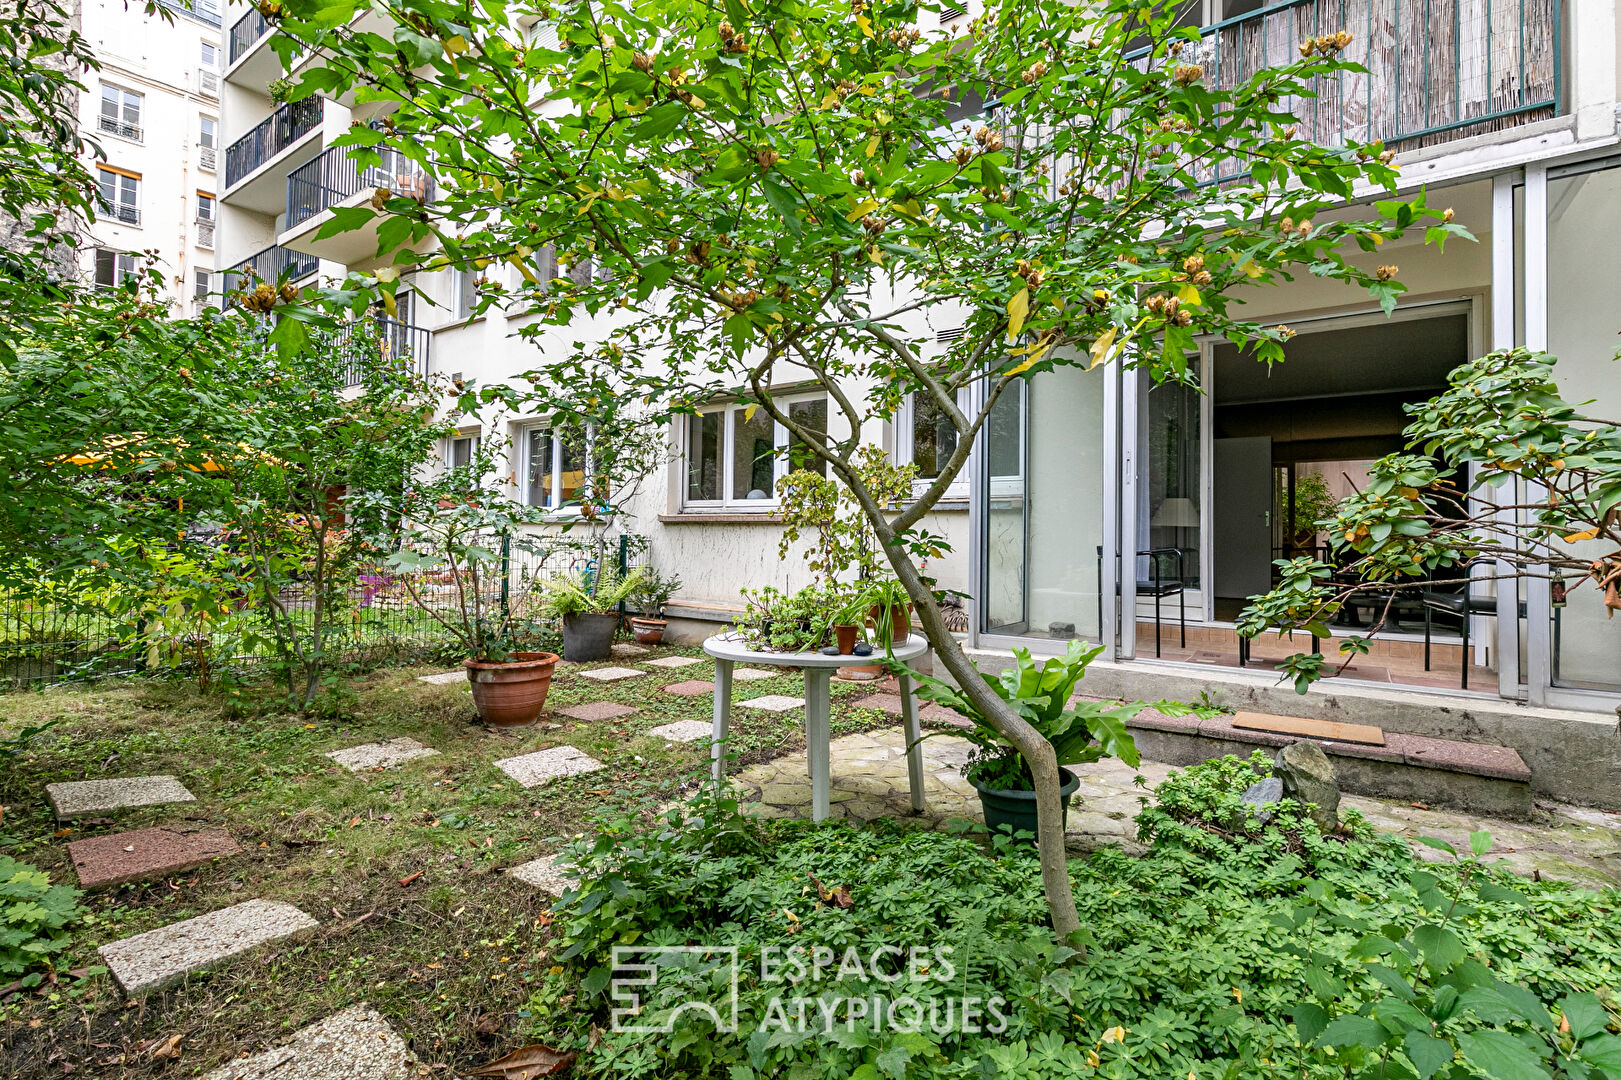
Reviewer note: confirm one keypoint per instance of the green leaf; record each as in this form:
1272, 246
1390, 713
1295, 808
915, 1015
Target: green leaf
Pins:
1584, 1014
785, 203
1427, 1053
893, 1061
1440, 946
660, 120
1500, 1055
1352, 1030
1310, 1020
596, 980
1605, 1052
1480, 842
419, 51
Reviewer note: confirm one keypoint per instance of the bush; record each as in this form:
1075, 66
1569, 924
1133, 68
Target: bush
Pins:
33, 915
1231, 949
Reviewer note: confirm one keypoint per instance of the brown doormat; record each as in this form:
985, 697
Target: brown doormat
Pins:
1366, 734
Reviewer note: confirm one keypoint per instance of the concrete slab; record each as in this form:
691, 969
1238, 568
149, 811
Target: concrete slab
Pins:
80, 797
545, 875
772, 703
355, 1044
673, 661
753, 674
597, 710
691, 688
445, 678
611, 674
544, 766
116, 858
158, 958
626, 651
381, 755
683, 730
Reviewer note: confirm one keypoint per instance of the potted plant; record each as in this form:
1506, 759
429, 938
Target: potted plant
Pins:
775, 621
888, 610
1313, 502
1080, 731
588, 605
649, 598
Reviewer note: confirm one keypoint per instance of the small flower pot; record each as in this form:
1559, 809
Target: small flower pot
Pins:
846, 637
589, 637
1015, 811
512, 694
648, 631
900, 621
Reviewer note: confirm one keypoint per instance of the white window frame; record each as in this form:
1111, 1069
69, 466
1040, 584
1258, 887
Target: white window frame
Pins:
473, 438
121, 181
120, 126
958, 490
780, 466
204, 49
124, 266
554, 498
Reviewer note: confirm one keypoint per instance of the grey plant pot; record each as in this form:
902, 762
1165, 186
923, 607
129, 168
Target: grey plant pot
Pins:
589, 637
1015, 811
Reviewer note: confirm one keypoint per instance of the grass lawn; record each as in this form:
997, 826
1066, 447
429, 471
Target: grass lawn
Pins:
449, 958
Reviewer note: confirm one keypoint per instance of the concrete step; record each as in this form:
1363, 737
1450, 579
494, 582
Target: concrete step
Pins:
1476, 777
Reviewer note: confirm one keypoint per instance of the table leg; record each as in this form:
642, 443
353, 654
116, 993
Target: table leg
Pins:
723, 717
818, 735
914, 746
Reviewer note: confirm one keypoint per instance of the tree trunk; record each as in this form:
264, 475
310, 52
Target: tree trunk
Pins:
1030, 743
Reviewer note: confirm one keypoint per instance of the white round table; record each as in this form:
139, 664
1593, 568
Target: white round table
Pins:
731, 649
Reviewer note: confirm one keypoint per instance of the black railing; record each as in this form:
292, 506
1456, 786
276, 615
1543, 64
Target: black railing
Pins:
269, 264
277, 132
245, 31
330, 177
129, 215
396, 344
122, 128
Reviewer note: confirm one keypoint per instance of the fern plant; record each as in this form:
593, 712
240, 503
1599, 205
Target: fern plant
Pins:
33, 916
587, 594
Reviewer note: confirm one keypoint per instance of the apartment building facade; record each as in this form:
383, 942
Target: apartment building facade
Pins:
1096, 506
153, 110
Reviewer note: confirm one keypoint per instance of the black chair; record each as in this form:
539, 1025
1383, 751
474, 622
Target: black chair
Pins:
1159, 586
1460, 605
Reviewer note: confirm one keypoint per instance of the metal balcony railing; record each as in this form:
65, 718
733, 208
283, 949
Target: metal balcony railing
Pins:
269, 264
330, 177
275, 133
124, 212
112, 125
1437, 69
395, 343
244, 32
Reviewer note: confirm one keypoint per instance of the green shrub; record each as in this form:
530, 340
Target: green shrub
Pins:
33, 915
1231, 949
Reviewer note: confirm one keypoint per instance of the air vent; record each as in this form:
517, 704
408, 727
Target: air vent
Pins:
205, 235
946, 337
208, 82
205, 158
952, 14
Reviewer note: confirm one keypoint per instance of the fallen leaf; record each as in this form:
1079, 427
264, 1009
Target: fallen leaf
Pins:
169, 1049
1419, 806
527, 1063
598, 791
413, 877
839, 897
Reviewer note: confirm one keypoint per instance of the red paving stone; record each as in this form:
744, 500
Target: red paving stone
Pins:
597, 710
691, 688
891, 703
116, 858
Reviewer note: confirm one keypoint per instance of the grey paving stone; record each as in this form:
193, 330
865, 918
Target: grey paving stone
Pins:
751, 674
544, 874
611, 674
627, 651
444, 678
80, 797
683, 731
355, 1044
533, 770
381, 755
673, 661
597, 710
157, 958
773, 703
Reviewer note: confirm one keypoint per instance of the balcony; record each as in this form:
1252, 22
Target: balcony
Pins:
123, 213
269, 265
332, 179
400, 344
278, 131
245, 33
112, 125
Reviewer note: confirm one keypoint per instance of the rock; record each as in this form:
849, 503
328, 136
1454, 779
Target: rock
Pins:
1309, 777
830, 650
1062, 631
355, 1044
861, 649
1267, 793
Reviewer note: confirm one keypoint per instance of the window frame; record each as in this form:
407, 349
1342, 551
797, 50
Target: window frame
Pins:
123, 265
554, 498
122, 179
123, 128
474, 439
208, 131
205, 47
207, 207
780, 442
958, 489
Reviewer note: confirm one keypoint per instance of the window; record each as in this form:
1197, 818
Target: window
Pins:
735, 453
121, 194
459, 450
209, 10
120, 112
200, 283
205, 206
464, 294
210, 54
926, 438
207, 128
112, 267
555, 462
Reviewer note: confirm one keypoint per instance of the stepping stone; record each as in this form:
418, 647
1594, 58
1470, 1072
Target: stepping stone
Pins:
691, 688
444, 678
116, 858
94, 796
891, 703
533, 770
597, 710
773, 703
355, 1044
751, 674
545, 875
158, 958
683, 730
673, 661
381, 755
628, 651
611, 674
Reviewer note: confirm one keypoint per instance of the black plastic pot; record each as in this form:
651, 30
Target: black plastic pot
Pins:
589, 637
1015, 811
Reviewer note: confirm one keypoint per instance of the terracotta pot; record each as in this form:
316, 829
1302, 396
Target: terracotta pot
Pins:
511, 694
900, 621
846, 637
648, 631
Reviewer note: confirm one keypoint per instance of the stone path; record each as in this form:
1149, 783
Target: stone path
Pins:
596, 710
382, 755
81, 797
117, 858
611, 674
753, 674
683, 730
355, 1044
444, 678
544, 874
160, 957
673, 661
544, 766
891, 703
771, 703
691, 688
869, 781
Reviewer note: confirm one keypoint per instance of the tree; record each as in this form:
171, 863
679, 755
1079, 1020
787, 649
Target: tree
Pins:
779, 191
1547, 477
